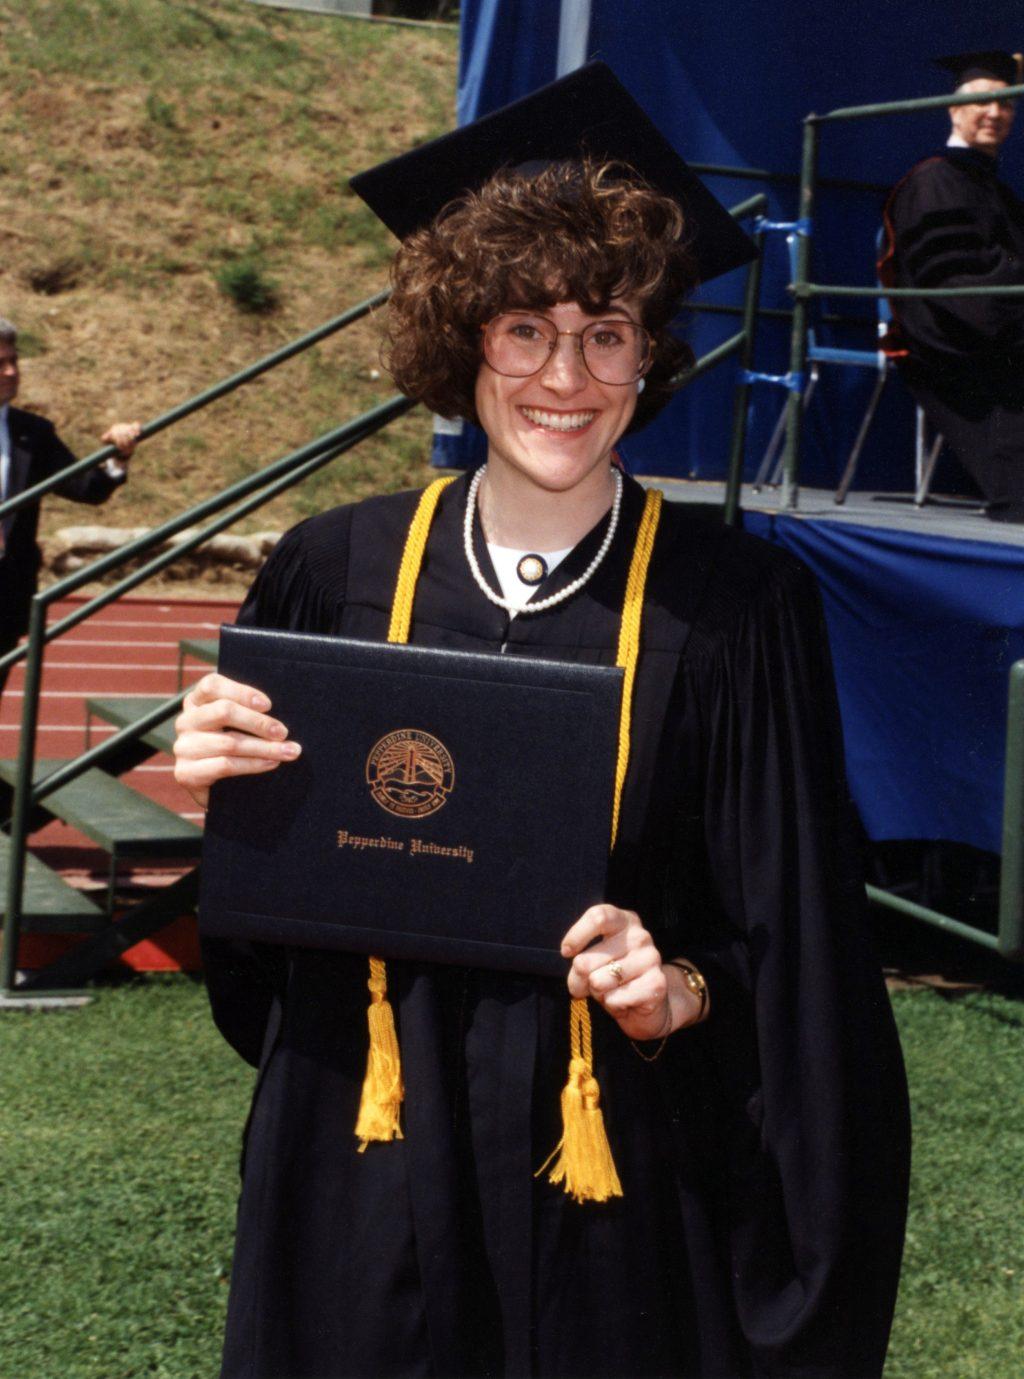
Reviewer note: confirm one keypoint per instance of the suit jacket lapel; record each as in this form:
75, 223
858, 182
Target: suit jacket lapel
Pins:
21, 456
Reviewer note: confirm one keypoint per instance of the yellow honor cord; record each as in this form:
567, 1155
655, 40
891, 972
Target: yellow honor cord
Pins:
381, 1102
583, 1159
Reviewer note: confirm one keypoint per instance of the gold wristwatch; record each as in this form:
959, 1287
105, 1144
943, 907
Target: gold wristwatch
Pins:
695, 982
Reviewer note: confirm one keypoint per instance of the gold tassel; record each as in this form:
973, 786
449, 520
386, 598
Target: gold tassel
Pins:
584, 1165
381, 1101
583, 1157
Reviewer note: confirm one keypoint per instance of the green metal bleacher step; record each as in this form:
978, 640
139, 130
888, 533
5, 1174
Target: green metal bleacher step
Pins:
116, 817
51, 905
122, 712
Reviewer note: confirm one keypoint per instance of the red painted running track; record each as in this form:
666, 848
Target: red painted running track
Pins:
130, 648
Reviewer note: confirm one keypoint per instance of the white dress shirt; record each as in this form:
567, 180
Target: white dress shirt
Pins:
5, 453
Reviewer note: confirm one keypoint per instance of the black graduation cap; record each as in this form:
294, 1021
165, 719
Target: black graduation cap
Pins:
994, 63
587, 112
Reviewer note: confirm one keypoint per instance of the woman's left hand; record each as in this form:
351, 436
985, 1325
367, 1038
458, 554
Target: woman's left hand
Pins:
622, 971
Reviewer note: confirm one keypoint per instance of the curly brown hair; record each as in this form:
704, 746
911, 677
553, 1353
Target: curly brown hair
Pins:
575, 232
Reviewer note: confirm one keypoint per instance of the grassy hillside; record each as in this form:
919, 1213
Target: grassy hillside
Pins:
152, 151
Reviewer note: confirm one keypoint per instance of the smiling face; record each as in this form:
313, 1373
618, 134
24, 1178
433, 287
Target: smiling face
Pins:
557, 428
986, 125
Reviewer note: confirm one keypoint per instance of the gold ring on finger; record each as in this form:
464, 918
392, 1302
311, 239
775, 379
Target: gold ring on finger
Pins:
615, 968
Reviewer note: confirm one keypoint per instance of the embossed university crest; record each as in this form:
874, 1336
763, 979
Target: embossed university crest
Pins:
410, 773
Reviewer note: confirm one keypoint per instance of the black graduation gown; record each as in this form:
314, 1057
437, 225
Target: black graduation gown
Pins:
952, 222
763, 1156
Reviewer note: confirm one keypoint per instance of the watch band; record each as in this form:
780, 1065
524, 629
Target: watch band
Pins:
695, 982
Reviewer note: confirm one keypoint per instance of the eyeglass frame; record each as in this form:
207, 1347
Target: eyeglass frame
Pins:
626, 320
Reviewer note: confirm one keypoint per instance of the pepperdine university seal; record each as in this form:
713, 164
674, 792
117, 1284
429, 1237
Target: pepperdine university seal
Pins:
410, 773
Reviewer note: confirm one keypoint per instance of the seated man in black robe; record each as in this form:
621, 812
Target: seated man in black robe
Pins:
952, 222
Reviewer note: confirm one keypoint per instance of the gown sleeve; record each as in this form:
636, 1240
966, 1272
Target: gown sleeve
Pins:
243, 979
951, 230
793, 1092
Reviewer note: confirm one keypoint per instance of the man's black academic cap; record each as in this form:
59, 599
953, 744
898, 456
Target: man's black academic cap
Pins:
969, 66
587, 112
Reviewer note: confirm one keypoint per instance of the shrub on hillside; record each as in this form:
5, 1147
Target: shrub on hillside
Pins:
246, 283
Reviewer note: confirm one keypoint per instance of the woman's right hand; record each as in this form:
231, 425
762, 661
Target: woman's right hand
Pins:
225, 729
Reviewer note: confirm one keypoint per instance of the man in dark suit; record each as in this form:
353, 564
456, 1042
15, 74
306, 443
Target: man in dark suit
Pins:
952, 222
30, 451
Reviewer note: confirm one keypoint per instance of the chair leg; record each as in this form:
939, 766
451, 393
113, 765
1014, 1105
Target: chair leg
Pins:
769, 471
768, 459
928, 470
812, 383
858, 445
919, 442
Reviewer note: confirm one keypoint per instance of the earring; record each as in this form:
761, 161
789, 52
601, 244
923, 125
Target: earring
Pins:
641, 384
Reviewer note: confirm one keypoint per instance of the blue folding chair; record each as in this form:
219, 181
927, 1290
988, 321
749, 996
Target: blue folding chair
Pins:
925, 455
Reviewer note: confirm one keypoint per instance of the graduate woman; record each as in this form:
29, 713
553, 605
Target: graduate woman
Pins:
728, 1192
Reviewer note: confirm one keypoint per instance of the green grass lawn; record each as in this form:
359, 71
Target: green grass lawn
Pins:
119, 1138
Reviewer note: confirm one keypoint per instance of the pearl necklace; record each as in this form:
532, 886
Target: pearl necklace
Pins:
509, 605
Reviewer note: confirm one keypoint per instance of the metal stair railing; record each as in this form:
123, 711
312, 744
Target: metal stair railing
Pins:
741, 343
1009, 941
199, 401
254, 490
343, 437
802, 289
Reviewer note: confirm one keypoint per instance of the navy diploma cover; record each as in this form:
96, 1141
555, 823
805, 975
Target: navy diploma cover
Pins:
447, 806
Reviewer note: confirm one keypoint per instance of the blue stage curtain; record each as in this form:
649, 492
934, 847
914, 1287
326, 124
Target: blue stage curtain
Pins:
923, 631
730, 84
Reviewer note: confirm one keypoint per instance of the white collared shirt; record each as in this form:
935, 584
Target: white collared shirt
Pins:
5, 453
957, 141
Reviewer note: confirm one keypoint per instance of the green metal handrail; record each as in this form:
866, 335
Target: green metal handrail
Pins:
742, 343
370, 423
708, 361
798, 338
935, 918
741, 399
1011, 872
200, 400
802, 289
909, 107
103, 565
845, 290
1009, 941
786, 178
256, 490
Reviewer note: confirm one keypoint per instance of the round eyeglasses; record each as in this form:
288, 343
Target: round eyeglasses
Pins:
519, 343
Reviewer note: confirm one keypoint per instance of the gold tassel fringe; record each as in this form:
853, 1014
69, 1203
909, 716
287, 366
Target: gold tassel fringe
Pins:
584, 1165
381, 1101
583, 1157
